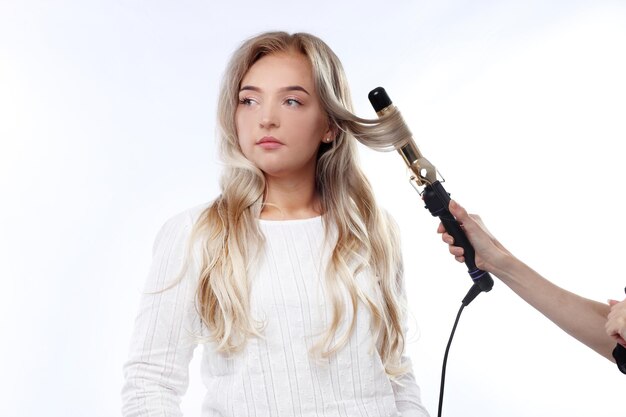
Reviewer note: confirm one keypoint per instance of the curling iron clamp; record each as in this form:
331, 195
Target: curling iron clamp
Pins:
434, 195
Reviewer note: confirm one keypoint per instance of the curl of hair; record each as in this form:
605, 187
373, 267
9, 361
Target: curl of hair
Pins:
366, 238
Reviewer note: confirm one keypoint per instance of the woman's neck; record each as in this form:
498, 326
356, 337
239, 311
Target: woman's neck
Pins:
287, 199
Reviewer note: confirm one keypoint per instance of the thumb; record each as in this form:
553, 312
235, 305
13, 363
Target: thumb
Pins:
457, 210
612, 302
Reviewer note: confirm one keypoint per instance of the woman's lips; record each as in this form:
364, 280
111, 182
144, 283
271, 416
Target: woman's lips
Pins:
269, 142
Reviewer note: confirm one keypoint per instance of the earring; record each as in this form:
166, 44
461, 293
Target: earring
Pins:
327, 139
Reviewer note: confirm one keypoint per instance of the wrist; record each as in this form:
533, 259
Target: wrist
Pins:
506, 266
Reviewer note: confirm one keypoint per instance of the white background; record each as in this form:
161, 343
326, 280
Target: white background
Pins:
107, 118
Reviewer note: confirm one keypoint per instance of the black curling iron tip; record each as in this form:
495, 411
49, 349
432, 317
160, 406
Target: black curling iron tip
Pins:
379, 99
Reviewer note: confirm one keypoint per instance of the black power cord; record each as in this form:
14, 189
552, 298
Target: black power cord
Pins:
471, 294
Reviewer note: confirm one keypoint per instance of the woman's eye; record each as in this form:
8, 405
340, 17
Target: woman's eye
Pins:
292, 102
245, 101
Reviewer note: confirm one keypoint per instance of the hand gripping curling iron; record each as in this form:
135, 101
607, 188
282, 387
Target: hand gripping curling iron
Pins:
434, 195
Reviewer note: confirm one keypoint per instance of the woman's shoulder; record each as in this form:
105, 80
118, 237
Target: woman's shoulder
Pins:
189, 215
178, 227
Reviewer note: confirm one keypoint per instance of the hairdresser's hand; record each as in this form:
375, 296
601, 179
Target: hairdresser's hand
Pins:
616, 323
490, 256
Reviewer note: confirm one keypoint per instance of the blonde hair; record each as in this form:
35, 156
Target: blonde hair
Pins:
231, 240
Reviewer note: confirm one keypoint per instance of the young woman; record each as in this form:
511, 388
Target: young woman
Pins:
292, 278
599, 326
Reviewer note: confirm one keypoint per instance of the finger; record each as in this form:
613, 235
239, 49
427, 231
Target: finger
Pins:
460, 259
618, 338
614, 326
612, 302
456, 251
447, 238
440, 228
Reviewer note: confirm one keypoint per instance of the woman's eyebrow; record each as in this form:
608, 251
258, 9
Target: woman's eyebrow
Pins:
294, 88
282, 89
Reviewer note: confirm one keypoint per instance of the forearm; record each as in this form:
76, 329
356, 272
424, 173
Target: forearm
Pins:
580, 317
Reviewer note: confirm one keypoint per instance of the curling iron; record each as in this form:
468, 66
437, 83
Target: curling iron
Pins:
424, 174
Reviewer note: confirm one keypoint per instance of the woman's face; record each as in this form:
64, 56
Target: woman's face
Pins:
280, 121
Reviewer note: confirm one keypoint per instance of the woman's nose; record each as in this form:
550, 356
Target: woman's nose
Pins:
269, 117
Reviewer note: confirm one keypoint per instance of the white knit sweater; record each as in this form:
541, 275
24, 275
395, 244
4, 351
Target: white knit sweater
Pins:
273, 376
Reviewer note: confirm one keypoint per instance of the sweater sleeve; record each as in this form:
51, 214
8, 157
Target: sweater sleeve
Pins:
166, 328
407, 395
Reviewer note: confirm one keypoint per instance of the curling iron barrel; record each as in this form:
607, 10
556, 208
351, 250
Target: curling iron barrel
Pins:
434, 195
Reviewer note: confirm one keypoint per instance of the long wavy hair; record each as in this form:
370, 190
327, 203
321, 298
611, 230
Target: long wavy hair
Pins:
366, 239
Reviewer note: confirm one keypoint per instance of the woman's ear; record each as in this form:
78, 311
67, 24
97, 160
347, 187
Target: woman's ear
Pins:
331, 133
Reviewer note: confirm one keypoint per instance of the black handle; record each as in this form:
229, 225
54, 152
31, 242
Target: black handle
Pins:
437, 201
